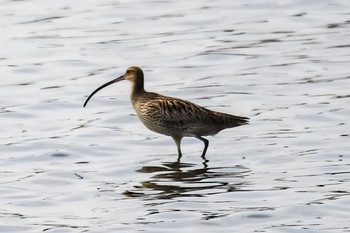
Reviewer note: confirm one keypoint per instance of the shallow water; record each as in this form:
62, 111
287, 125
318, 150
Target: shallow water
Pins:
65, 168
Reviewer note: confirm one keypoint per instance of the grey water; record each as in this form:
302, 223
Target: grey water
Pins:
283, 64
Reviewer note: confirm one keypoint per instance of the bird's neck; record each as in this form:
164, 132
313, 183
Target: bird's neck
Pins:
137, 90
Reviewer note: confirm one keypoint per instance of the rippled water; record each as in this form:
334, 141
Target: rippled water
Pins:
284, 64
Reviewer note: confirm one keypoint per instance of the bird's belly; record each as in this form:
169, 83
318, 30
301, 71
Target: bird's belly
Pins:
158, 126
178, 128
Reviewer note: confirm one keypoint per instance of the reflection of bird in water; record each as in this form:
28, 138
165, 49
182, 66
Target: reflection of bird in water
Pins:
172, 116
173, 180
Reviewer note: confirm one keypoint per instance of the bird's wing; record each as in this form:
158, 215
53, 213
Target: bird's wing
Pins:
178, 111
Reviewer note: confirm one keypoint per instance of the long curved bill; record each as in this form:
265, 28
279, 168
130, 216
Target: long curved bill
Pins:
103, 86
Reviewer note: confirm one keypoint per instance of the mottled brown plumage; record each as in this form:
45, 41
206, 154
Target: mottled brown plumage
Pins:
172, 116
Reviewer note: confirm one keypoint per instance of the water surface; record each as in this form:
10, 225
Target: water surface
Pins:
284, 65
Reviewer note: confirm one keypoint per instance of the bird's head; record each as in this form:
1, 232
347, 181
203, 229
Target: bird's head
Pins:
134, 74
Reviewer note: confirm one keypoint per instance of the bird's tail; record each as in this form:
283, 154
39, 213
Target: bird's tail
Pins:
231, 120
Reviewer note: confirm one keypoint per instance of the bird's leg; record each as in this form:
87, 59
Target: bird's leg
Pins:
206, 144
179, 154
177, 140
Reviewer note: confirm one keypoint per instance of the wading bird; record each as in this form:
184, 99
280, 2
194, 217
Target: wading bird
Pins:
172, 116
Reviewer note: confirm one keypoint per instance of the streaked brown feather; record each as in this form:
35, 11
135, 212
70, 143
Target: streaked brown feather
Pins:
169, 115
